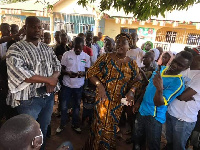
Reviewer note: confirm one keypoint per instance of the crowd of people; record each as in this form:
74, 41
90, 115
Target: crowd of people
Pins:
155, 91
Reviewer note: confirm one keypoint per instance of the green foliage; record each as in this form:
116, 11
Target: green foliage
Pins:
12, 1
49, 6
142, 9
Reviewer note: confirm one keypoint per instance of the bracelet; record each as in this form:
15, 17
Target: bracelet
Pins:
97, 83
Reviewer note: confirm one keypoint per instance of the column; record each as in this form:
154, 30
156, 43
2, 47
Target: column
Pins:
52, 26
96, 29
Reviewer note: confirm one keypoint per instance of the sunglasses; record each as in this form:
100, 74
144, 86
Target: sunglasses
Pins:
41, 135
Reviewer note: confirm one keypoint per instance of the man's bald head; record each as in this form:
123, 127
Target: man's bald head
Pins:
33, 28
5, 29
18, 132
148, 58
31, 20
134, 34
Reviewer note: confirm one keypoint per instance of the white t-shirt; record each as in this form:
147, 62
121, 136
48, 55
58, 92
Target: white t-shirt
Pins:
188, 111
75, 63
3, 49
95, 54
102, 51
137, 55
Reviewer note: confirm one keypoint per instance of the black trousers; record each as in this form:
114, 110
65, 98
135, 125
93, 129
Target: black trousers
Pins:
6, 110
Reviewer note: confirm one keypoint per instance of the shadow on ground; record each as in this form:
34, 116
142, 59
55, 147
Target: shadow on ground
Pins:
78, 140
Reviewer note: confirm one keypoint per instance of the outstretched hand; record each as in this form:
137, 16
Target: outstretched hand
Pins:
102, 93
136, 107
63, 148
158, 81
130, 98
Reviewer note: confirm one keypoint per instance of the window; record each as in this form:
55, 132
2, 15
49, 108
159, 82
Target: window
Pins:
171, 37
128, 30
85, 27
124, 30
45, 25
69, 27
193, 39
132, 31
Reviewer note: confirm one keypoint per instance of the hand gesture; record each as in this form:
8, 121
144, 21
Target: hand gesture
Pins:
81, 74
101, 92
50, 88
136, 107
158, 81
130, 98
63, 148
72, 74
52, 81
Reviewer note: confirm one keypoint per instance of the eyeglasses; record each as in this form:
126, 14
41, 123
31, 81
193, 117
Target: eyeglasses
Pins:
41, 135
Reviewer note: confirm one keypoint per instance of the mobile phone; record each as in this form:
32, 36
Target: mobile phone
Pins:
74, 74
41, 90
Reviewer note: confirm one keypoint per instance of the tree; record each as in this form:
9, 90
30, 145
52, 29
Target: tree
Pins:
142, 9
12, 1
47, 4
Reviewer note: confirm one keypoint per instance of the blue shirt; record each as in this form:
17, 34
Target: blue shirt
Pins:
173, 86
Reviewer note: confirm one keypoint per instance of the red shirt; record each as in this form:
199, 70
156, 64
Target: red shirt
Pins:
88, 50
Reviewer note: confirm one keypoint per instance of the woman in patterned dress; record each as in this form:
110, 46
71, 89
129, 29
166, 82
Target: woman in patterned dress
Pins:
116, 76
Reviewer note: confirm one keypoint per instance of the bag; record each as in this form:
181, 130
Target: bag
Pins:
195, 139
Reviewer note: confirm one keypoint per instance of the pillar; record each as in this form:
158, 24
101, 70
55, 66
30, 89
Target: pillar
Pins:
96, 29
52, 26
0, 18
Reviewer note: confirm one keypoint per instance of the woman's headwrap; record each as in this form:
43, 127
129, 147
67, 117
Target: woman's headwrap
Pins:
125, 35
110, 39
194, 51
145, 44
197, 50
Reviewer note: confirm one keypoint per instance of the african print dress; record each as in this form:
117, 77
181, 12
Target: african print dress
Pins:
117, 81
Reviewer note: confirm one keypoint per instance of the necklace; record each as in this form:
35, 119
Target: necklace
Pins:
120, 58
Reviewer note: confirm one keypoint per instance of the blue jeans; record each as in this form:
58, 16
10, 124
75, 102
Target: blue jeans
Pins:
66, 95
147, 128
178, 132
40, 109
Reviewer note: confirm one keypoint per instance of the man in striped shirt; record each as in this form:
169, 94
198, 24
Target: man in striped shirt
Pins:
33, 71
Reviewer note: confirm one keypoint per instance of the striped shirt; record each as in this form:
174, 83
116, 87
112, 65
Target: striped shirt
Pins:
25, 60
3, 50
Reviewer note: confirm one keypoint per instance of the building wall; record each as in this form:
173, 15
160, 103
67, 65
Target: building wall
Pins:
181, 37
102, 26
62, 4
112, 28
